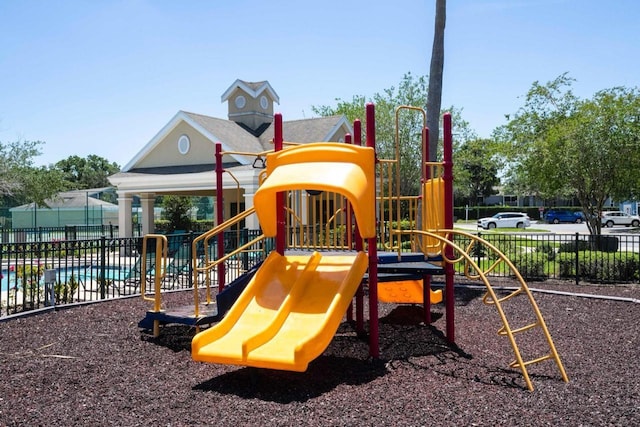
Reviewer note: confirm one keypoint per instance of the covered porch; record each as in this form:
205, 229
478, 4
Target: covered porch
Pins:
239, 186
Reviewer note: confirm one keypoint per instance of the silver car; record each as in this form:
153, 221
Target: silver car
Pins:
609, 219
505, 220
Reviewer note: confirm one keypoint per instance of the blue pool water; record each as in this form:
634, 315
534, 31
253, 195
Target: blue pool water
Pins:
64, 274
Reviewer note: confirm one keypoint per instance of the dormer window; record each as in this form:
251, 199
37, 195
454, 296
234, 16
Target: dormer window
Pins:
240, 101
264, 102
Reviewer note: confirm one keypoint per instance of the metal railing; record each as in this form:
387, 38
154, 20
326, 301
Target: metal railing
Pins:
68, 232
37, 275
103, 268
611, 259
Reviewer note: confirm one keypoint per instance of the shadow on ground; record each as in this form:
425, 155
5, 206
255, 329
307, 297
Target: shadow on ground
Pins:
323, 375
404, 340
174, 337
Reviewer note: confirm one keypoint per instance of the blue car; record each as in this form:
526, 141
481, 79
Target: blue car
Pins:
556, 216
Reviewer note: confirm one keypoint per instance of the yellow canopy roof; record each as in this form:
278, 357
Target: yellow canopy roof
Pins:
341, 168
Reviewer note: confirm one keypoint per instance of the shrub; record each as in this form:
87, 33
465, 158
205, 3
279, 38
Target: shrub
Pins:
548, 250
582, 245
566, 265
530, 268
176, 210
29, 276
64, 292
507, 247
601, 267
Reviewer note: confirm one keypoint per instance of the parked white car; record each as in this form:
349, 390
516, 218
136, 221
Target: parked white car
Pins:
505, 220
609, 219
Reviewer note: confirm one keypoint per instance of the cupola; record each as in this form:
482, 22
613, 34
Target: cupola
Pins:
251, 104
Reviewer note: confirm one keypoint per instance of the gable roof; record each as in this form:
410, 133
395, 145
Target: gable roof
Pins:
71, 199
235, 137
319, 129
252, 88
232, 136
230, 133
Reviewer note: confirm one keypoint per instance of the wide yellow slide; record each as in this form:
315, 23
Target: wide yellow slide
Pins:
287, 315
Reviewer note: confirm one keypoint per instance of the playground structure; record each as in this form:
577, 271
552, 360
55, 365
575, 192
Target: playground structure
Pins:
284, 313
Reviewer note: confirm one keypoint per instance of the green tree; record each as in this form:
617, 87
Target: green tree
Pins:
91, 172
475, 170
562, 146
176, 210
14, 157
20, 180
411, 91
205, 207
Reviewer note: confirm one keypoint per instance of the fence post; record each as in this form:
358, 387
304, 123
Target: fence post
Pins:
8, 281
577, 260
478, 251
637, 264
103, 270
190, 238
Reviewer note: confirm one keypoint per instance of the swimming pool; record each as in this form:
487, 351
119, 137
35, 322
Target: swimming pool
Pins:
64, 274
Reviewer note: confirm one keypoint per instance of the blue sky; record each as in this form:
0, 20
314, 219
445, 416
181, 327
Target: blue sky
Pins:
104, 76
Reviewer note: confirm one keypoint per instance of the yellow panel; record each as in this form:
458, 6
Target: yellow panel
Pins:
406, 292
287, 315
433, 214
341, 168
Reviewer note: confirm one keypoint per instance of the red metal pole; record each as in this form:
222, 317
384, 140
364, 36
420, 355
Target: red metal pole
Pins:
220, 215
280, 233
357, 132
448, 224
374, 341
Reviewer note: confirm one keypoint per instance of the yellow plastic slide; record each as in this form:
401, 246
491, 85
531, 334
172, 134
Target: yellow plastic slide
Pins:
287, 315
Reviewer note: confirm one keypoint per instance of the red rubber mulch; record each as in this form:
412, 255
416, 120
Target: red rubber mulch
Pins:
91, 365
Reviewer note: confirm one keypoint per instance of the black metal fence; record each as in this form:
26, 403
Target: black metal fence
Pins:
40, 274
67, 233
581, 258
37, 274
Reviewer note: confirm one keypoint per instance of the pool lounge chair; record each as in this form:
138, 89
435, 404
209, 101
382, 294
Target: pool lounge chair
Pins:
180, 265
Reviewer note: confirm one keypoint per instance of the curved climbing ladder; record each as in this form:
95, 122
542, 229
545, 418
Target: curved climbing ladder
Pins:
473, 271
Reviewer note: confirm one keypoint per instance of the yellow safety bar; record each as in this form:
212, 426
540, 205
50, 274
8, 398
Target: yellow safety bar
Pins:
161, 253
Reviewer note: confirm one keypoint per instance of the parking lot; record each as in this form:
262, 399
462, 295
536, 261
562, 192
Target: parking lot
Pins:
629, 238
562, 228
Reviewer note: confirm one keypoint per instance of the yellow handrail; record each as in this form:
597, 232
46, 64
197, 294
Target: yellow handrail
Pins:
160, 266
161, 253
208, 266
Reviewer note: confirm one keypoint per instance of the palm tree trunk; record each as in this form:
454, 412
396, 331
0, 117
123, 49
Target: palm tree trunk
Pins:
434, 96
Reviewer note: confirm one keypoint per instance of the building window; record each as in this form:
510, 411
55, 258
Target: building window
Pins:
240, 101
183, 144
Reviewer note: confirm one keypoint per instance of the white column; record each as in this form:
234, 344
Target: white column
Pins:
125, 224
146, 203
251, 221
